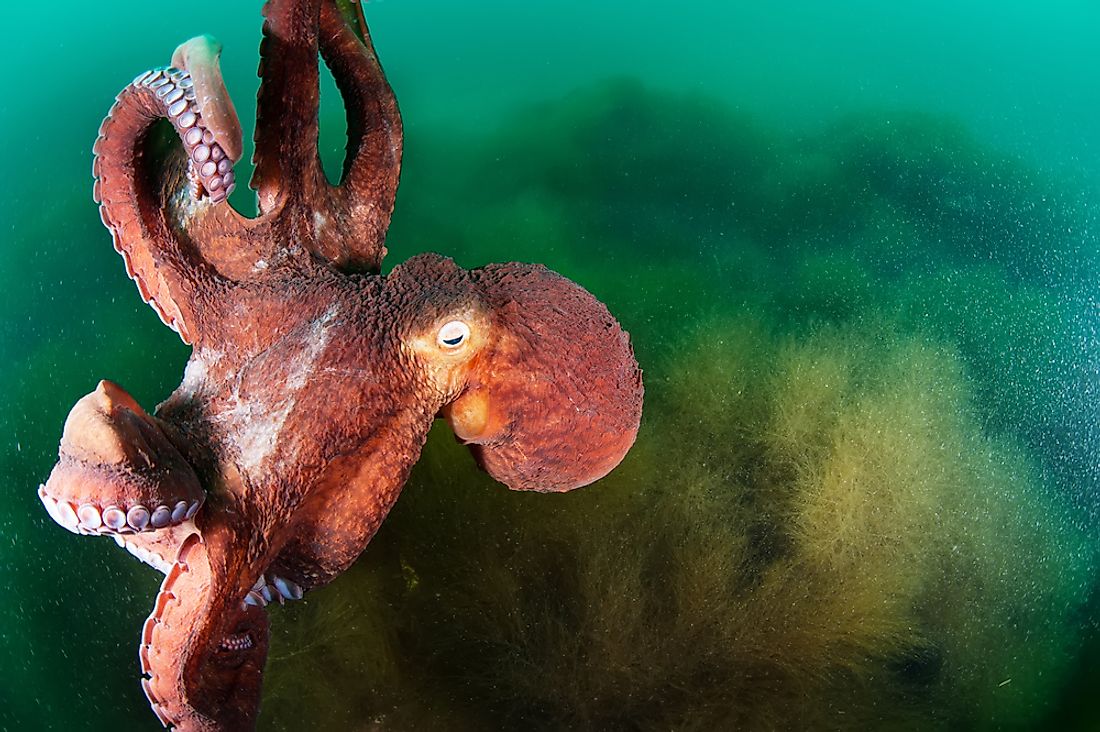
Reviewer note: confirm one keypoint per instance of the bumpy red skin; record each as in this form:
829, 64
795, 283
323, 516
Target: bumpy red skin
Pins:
306, 402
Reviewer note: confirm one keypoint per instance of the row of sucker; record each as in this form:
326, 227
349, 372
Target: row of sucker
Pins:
210, 169
89, 518
164, 598
240, 642
268, 589
154, 559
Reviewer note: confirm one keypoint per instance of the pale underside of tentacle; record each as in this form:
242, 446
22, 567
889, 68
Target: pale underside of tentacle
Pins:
210, 168
270, 587
200, 57
93, 519
159, 548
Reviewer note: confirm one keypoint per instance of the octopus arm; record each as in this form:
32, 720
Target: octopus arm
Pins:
202, 650
157, 548
288, 170
372, 165
158, 193
348, 504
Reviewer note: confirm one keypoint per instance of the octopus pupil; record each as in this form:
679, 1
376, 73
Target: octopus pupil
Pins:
453, 341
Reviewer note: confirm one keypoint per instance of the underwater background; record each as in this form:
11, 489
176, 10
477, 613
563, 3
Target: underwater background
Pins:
857, 248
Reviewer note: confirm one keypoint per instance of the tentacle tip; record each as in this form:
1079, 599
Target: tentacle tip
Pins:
199, 56
199, 49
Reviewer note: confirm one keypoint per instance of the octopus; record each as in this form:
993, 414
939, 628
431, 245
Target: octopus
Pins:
313, 379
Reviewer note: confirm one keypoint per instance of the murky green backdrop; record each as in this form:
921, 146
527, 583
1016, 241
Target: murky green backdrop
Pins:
857, 247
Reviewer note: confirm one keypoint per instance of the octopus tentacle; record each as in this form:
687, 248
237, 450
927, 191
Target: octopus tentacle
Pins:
372, 165
118, 473
157, 548
132, 196
286, 158
200, 57
201, 652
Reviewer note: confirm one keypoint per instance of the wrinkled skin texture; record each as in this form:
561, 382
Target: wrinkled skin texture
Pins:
314, 380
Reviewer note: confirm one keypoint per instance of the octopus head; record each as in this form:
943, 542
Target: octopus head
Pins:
534, 373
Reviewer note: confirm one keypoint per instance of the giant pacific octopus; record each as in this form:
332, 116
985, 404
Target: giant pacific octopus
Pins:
314, 379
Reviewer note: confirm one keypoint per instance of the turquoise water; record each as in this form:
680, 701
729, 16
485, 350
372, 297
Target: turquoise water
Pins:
857, 248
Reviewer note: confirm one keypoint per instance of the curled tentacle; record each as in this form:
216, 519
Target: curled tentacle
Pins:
200, 57
118, 473
133, 192
202, 650
171, 92
364, 202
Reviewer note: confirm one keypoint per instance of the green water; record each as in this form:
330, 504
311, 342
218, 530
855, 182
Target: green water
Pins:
858, 251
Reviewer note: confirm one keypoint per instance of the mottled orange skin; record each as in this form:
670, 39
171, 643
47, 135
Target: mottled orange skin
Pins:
314, 380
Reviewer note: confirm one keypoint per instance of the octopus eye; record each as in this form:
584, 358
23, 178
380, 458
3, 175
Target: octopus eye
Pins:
453, 334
